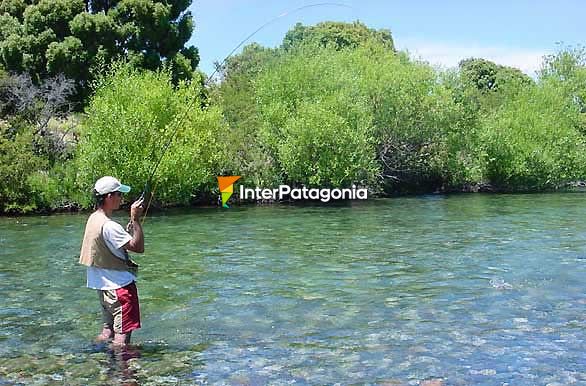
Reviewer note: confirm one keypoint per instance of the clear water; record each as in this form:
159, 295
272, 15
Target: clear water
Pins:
469, 289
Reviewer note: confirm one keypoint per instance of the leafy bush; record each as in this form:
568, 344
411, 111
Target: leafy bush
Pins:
328, 115
313, 122
130, 120
532, 142
17, 162
414, 116
323, 148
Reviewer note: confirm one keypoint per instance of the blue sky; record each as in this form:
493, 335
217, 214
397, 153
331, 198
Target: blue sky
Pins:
515, 33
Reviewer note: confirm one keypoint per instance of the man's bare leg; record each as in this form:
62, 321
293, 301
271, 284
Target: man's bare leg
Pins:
106, 334
121, 339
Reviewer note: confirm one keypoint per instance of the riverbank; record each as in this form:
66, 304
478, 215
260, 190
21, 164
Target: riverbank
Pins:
571, 187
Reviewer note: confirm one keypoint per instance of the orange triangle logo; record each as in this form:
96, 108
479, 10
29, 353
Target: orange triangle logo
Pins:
226, 182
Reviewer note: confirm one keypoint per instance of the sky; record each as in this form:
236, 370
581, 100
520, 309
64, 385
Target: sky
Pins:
515, 33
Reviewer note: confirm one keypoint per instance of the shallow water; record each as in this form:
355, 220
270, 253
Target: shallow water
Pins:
470, 289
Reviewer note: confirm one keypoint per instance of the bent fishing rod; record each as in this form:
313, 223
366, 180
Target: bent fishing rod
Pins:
176, 124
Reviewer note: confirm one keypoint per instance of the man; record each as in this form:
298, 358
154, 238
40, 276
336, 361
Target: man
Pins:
109, 269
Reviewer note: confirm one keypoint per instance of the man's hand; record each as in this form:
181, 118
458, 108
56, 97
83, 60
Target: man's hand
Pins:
134, 228
136, 209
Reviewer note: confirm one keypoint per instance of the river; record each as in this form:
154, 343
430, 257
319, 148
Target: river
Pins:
466, 289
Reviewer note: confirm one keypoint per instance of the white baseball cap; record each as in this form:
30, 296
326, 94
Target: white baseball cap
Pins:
109, 184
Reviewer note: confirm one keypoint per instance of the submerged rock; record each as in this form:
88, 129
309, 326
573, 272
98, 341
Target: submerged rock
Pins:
432, 382
500, 284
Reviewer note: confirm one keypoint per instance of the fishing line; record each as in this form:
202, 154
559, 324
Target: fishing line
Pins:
192, 101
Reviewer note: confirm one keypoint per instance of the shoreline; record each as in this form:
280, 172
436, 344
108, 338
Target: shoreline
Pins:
486, 189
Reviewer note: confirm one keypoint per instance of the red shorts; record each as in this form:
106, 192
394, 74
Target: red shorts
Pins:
120, 309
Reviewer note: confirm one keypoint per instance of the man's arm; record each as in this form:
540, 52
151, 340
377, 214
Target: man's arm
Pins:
137, 242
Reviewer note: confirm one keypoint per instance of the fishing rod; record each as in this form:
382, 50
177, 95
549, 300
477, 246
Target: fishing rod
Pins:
147, 191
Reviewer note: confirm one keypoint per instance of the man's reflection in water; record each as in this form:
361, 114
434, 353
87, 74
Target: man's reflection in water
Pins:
120, 367
128, 365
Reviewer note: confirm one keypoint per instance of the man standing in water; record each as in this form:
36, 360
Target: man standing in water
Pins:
110, 271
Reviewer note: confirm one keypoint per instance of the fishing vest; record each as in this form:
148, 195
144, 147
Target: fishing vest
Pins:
95, 252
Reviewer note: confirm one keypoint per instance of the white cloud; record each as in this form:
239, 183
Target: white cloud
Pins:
449, 54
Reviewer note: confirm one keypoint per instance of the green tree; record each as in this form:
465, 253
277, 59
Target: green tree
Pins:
48, 37
343, 113
237, 76
237, 95
486, 76
567, 69
482, 86
565, 64
337, 35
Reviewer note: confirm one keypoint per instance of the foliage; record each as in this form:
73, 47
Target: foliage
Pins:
532, 142
26, 105
36, 143
18, 161
238, 73
564, 65
337, 35
46, 37
414, 115
486, 76
483, 85
566, 70
483, 125
238, 98
338, 117
130, 120
315, 127
334, 105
